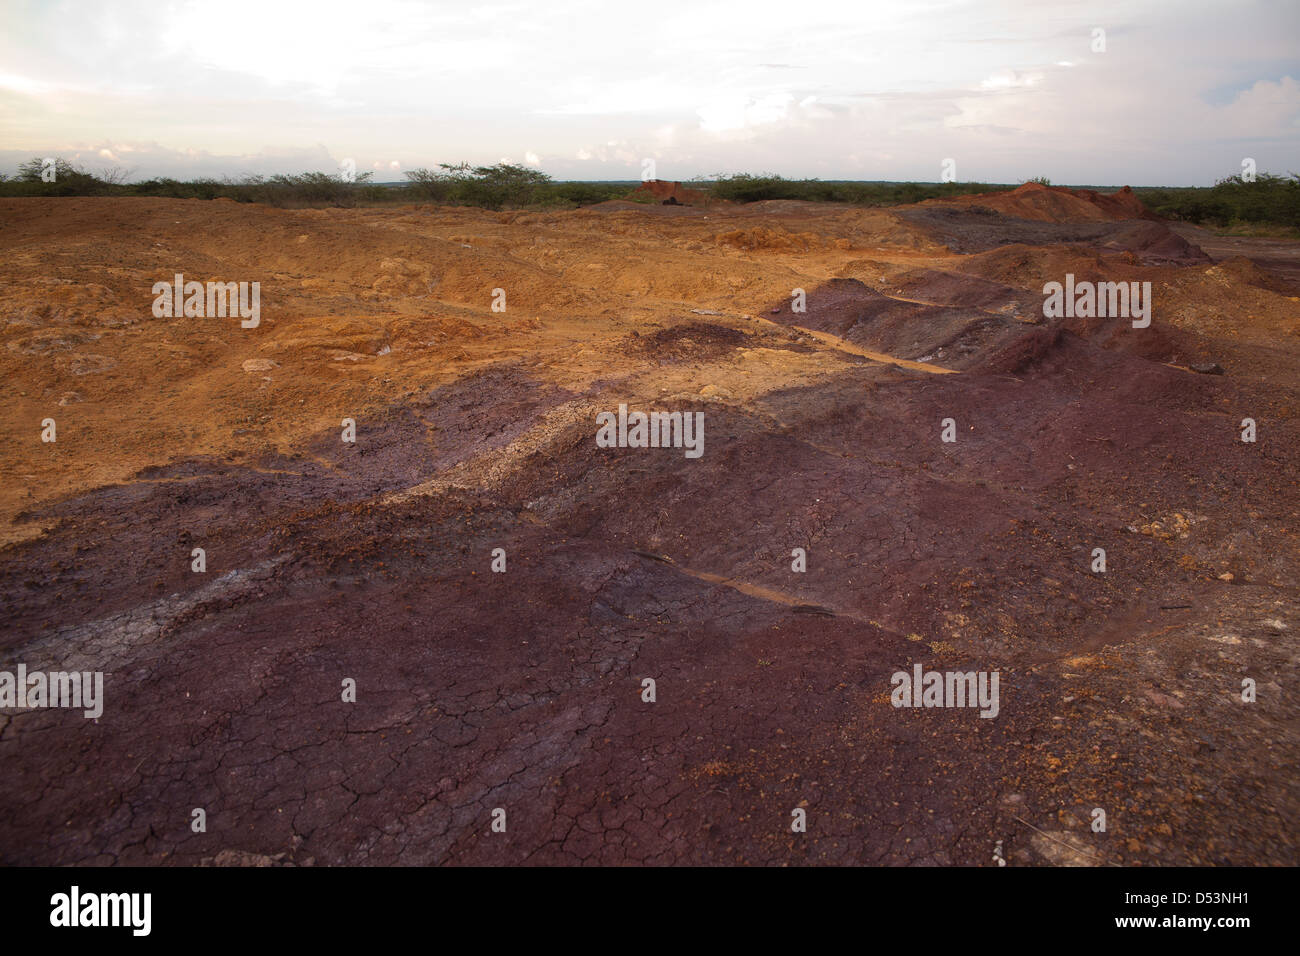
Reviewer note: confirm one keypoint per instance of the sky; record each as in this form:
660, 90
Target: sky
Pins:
1181, 93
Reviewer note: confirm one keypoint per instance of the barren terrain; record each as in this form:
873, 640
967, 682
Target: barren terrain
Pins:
475, 430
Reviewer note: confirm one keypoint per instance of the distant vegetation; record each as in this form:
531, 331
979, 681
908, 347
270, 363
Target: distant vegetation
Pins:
69, 180
503, 185
306, 189
742, 187
1269, 203
492, 187
1230, 204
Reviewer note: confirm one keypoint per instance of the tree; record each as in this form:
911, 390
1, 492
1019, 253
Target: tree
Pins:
68, 180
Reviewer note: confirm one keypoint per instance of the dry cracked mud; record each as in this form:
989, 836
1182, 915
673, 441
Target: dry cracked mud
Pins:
522, 690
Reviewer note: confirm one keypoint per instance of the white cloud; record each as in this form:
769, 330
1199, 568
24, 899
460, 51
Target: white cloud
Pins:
1265, 104
201, 87
1009, 79
739, 112
23, 84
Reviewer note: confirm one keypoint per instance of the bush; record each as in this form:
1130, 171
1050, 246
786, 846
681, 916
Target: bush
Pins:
69, 180
302, 189
310, 189
743, 187
586, 194
492, 187
1272, 200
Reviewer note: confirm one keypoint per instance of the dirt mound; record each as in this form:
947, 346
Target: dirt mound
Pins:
763, 239
1040, 203
1239, 269
943, 287
952, 336
673, 193
1153, 242
692, 339
974, 229
1019, 352
1278, 260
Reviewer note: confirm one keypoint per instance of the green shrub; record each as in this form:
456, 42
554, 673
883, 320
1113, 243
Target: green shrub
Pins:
69, 180
1272, 200
743, 187
492, 187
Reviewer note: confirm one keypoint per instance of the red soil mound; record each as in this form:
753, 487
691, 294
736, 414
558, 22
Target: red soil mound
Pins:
661, 190
1058, 204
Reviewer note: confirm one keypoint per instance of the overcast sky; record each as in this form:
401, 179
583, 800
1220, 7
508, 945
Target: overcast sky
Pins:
589, 89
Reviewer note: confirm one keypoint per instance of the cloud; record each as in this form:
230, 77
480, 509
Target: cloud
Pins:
739, 112
187, 87
1267, 104
1010, 79
23, 84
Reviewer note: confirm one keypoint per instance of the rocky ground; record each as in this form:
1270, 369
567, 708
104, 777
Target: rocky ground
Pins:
523, 691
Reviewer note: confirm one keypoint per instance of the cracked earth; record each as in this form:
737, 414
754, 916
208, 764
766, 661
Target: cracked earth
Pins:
475, 430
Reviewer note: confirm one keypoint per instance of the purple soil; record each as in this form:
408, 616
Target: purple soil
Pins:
976, 229
522, 691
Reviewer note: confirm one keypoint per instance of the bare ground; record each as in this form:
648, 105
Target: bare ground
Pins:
522, 690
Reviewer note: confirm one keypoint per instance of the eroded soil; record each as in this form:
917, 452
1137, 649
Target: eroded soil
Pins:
475, 430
